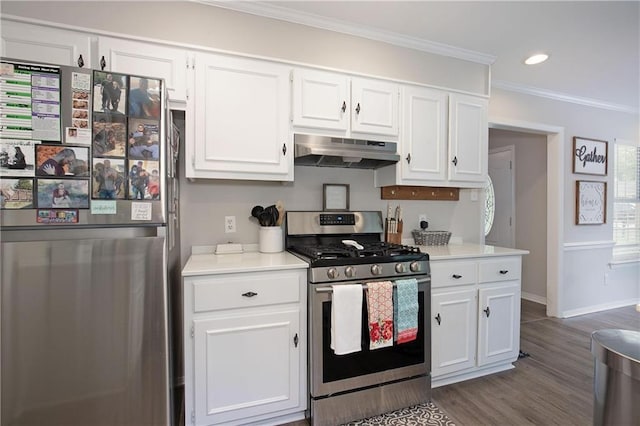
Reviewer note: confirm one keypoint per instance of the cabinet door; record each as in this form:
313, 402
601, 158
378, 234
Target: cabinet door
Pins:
453, 326
424, 134
245, 366
468, 138
374, 107
147, 59
241, 120
43, 44
321, 100
499, 323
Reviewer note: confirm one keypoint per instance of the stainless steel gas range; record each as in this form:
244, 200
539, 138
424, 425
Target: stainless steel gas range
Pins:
346, 248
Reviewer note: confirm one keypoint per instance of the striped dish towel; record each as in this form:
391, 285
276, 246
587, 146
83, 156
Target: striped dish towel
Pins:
380, 307
405, 310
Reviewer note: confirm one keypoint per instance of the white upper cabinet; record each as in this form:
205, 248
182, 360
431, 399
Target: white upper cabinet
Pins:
468, 138
340, 105
374, 106
240, 120
321, 100
45, 44
444, 140
147, 59
424, 135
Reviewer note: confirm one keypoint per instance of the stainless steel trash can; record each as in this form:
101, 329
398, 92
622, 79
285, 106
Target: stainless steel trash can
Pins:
616, 377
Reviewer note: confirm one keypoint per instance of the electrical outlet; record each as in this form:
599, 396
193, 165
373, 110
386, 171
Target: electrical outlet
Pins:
229, 224
421, 218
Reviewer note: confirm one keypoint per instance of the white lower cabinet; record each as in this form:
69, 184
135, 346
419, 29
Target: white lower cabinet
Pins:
454, 330
499, 323
475, 308
246, 361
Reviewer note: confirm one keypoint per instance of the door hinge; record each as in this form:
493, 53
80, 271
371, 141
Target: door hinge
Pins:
510, 165
193, 417
193, 331
510, 221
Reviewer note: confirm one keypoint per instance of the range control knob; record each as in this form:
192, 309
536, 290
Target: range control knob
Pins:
399, 268
350, 272
376, 269
333, 273
414, 266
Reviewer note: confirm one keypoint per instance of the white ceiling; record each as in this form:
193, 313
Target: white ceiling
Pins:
594, 46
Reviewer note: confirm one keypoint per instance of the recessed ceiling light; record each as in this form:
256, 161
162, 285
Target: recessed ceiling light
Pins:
536, 59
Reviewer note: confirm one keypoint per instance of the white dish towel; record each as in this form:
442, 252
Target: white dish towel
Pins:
346, 319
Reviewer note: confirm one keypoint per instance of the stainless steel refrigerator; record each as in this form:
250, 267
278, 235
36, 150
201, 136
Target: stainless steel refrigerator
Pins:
85, 296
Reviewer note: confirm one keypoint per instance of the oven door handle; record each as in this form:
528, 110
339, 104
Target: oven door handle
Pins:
364, 286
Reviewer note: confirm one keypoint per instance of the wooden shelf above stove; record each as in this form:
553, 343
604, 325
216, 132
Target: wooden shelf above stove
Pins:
402, 192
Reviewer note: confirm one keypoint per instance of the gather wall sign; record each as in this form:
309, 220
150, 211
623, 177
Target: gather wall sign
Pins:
590, 156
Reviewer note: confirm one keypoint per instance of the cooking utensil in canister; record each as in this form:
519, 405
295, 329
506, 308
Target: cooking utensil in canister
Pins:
280, 208
264, 218
255, 212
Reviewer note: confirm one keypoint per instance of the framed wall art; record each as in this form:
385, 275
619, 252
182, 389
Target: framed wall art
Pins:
591, 202
590, 156
335, 197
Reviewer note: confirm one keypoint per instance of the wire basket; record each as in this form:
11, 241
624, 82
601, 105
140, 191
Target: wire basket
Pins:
431, 238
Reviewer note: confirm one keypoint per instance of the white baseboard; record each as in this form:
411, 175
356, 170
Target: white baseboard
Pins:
533, 298
598, 308
451, 378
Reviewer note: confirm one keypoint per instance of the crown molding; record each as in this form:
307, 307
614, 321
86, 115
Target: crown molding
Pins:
312, 20
559, 96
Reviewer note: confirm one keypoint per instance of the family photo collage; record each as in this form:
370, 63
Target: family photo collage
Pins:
111, 151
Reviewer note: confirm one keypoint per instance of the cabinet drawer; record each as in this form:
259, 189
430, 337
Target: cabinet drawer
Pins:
500, 269
453, 273
245, 290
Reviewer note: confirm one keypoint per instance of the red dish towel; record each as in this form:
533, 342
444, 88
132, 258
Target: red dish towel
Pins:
380, 307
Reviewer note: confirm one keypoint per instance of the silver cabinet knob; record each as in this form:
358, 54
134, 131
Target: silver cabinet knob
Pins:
414, 266
376, 269
399, 268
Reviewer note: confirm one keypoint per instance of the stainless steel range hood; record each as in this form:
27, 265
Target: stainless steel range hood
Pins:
326, 151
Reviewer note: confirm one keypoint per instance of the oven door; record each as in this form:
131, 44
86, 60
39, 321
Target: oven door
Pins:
331, 373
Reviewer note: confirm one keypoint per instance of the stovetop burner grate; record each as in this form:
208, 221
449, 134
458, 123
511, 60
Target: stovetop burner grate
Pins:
341, 251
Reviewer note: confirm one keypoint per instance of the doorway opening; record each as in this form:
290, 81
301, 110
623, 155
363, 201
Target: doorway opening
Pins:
554, 199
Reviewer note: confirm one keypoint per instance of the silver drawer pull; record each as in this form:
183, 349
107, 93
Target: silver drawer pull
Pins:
249, 294
504, 271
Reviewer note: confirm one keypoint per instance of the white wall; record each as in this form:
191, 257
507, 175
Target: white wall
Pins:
204, 204
198, 24
589, 283
531, 205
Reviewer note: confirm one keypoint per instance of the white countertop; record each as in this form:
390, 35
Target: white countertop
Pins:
463, 251
252, 261
209, 263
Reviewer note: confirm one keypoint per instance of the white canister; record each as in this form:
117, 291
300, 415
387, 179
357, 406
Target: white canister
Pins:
270, 239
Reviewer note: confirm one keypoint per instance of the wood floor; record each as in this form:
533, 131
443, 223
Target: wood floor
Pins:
552, 386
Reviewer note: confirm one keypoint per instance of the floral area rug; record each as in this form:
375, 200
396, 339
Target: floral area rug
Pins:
418, 415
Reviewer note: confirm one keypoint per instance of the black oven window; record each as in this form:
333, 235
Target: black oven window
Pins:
339, 367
